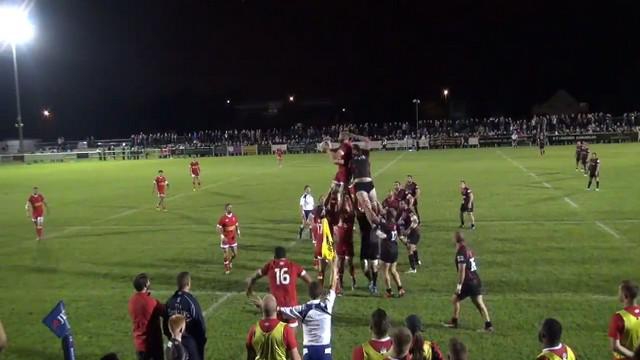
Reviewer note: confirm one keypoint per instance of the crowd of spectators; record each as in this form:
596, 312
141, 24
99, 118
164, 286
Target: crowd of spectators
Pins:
491, 126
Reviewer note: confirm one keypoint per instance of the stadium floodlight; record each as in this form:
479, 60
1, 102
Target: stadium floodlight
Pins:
291, 98
46, 113
15, 28
228, 101
344, 109
445, 93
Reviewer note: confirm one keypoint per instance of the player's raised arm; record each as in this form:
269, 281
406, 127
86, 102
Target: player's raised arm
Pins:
252, 281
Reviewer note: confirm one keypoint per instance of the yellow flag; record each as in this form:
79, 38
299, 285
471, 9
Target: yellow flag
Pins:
328, 251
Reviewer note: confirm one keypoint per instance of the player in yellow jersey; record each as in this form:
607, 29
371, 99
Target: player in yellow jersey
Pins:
269, 338
380, 342
552, 349
624, 328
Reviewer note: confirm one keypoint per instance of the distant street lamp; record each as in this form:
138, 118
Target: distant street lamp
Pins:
344, 109
291, 98
46, 113
445, 94
417, 102
228, 101
15, 28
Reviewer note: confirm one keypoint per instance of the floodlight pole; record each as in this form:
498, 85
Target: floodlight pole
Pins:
19, 123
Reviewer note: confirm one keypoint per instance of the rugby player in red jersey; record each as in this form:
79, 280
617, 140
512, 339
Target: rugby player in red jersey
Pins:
316, 232
229, 229
467, 204
391, 201
36, 208
341, 156
160, 186
279, 156
469, 284
344, 241
194, 169
283, 276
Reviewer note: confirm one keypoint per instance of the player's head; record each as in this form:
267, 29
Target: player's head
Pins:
35, 190
160, 172
307, 189
409, 179
344, 136
315, 290
457, 350
269, 306
355, 148
403, 205
458, 239
628, 291
550, 332
379, 323
413, 323
594, 155
141, 282
280, 253
463, 183
177, 323
228, 207
321, 199
579, 142
183, 281
390, 216
402, 339
396, 185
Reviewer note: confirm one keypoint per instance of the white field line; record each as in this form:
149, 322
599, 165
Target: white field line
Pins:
571, 202
566, 199
216, 304
389, 164
608, 229
177, 196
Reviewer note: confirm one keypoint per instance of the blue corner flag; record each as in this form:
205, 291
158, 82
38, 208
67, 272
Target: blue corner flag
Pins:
57, 321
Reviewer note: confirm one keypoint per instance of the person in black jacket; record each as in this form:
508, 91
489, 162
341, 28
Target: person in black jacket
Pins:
184, 303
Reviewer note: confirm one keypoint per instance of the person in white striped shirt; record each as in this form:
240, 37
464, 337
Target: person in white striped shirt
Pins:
315, 317
306, 207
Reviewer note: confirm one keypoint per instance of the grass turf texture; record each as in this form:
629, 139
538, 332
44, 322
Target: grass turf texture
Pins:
538, 255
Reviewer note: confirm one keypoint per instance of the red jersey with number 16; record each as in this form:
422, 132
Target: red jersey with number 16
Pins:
37, 205
195, 168
283, 275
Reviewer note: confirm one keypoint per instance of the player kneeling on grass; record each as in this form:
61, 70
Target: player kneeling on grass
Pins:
469, 284
594, 171
389, 254
229, 229
37, 205
549, 335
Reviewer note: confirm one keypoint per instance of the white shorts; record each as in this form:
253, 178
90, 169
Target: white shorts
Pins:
39, 221
194, 175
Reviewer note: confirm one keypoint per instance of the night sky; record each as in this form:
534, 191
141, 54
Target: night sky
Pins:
109, 68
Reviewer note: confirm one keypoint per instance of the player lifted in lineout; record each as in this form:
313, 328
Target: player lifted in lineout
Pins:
594, 171
280, 157
160, 186
366, 196
340, 156
229, 231
35, 208
194, 170
468, 201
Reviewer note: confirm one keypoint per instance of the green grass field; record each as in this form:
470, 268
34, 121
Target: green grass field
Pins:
539, 255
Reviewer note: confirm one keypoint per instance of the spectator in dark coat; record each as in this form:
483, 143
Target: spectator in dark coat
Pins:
184, 303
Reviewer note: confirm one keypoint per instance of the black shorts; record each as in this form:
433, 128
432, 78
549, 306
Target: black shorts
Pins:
306, 214
413, 238
584, 160
470, 289
466, 208
389, 252
370, 247
541, 145
593, 174
363, 186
